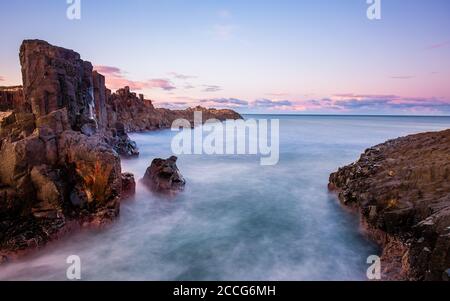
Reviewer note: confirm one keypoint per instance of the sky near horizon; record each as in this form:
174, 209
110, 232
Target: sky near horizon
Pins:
255, 56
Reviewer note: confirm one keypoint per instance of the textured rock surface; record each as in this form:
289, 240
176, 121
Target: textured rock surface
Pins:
51, 173
52, 176
128, 185
164, 176
138, 114
101, 93
122, 144
12, 98
56, 78
402, 189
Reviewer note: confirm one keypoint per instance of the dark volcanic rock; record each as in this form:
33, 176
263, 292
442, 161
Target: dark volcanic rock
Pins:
122, 143
101, 94
16, 125
52, 172
402, 189
138, 114
164, 175
52, 176
128, 185
12, 98
56, 78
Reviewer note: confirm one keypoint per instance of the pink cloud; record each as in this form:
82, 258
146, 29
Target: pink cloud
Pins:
115, 79
2, 79
364, 103
108, 70
439, 45
181, 76
402, 77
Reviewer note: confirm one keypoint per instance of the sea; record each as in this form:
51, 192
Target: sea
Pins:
236, 219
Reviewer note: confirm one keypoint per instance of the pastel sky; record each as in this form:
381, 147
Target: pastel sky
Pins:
256, 56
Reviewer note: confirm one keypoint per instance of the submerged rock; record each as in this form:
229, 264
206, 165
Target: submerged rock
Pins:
164, 176
402, 190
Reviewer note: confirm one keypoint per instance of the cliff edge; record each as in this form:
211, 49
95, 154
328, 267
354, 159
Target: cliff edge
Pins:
402, 190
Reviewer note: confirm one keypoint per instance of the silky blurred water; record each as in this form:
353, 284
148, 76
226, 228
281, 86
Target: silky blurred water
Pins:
236, 220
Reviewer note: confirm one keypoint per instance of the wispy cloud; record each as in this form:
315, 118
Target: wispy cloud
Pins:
348, 103
268, 103
226, 101
362, 96
277, 94
438, 45
2, 79
373, 103
115, 79
403, 77
212, 88
224, 31
224, 14
181, 76
109, 70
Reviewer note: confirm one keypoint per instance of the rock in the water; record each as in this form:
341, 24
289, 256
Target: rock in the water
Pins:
164, 175
128, 185
122, 143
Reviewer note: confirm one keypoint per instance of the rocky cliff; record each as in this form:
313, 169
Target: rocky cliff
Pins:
402, 190
61, 137
12, 98
52, 173
138, 114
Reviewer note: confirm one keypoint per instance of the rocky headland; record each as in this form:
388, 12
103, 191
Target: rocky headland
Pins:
62, 135
401, 189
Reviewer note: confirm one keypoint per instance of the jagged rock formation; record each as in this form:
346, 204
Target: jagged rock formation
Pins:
101, 95
402, 190
12, 98
51, 172
138, 114
56, 78
164, 176
119, 140
60, 140
128, 185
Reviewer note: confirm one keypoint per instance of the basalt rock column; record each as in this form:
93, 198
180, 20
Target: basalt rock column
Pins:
12, 99
56, 78
100, 94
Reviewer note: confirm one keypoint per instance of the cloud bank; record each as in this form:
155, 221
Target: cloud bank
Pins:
116, 79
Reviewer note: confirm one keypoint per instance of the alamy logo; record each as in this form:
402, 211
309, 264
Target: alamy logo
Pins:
74, 10
374, 270
374, 9
74, 270
233, 137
